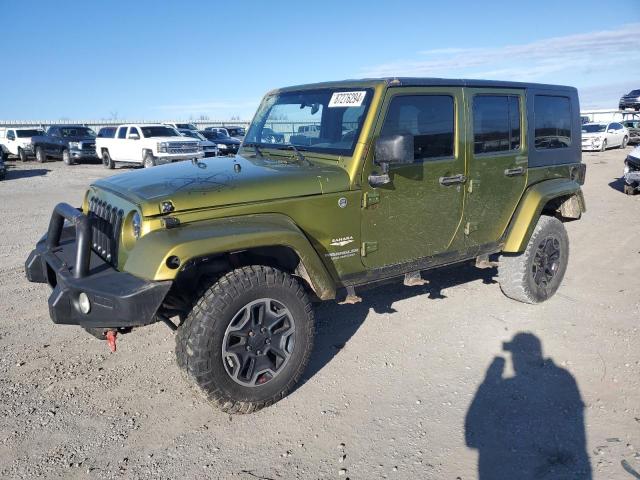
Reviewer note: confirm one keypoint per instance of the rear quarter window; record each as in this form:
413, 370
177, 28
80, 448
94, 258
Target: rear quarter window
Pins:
552, 122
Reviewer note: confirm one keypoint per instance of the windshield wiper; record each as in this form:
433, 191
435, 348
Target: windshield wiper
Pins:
298, 153
255, 148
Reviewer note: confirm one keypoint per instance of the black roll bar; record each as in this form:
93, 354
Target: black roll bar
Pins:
62, 212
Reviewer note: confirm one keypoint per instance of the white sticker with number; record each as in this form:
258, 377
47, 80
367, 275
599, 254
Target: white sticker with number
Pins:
347, 99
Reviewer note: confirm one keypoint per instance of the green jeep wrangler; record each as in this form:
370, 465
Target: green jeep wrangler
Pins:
392, 177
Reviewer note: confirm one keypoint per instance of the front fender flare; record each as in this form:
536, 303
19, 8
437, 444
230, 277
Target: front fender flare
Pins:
148, 258
530, 207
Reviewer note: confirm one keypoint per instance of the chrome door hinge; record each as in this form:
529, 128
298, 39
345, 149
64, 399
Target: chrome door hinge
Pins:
368, 247
470, 227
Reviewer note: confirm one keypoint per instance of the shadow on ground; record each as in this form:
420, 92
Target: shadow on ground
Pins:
617, 184
336, 324
33, 172
529, 426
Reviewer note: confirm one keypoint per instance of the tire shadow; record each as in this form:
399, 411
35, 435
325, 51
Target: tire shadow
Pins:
336, 324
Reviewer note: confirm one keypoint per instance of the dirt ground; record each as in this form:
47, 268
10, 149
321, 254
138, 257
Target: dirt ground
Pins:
389, 388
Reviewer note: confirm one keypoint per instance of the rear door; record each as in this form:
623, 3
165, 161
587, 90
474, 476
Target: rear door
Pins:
418, 214
498, 163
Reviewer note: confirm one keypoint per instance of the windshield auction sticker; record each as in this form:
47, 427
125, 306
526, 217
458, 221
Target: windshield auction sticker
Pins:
347, 99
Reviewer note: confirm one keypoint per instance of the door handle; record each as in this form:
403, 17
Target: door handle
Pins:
514, 172
445, 181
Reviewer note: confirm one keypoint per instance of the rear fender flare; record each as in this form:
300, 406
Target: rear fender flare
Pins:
148, 258
531, 206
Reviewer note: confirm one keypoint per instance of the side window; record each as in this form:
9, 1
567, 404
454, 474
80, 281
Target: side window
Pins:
134, 131
616, 126
122, 132
496, 123
11, 135
552, 122
429, 118
53, 132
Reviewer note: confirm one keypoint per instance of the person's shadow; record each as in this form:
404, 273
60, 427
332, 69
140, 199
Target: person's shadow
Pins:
531, 425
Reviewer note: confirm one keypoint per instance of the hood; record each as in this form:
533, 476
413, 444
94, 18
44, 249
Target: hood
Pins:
227, 141
180, 139
220, 181
634, 156
80, 138
593, 134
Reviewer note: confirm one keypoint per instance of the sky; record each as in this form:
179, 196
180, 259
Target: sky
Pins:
151, 60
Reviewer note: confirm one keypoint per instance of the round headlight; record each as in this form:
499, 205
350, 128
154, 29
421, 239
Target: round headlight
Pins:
136, 224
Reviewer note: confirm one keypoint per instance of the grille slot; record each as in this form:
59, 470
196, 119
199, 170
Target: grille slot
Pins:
106, 224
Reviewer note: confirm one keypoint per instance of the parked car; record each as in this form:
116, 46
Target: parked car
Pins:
183, 126
230, 254
236, 132
631, 173
226, 145
146, 145
18, 141
217, 129
209, 148
600, 136
271, 136
312, 131
3, 165
633, 127
630, 100
71, 143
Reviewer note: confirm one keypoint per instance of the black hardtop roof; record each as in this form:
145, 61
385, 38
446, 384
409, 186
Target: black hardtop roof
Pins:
431, 82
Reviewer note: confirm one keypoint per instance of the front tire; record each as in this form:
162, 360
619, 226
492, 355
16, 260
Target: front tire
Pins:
22, 154
248, 339
148, 161
629, 189
604, 146
107, 161
625, 140
535, 275
66, 157
41, 157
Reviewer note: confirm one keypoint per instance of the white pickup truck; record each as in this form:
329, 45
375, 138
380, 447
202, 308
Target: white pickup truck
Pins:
146, 145
17, 141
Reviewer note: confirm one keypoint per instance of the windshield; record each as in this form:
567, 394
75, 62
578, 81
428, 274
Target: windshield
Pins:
323, 120
186, 126
150, 132
634, 92
593, 128
192, 134
77, 132
28, 133
213, 135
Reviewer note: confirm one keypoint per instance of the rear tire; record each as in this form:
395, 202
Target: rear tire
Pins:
625, 140
603, 147
22, 154
41, 157
148, 161
535, 275
107, 161
248, 339
66, 157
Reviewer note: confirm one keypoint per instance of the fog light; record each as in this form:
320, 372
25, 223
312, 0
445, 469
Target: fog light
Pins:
83, 303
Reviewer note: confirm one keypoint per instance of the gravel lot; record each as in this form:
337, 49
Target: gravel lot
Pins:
390, 383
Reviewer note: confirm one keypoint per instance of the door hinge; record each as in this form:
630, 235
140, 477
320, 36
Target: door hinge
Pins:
472, 183
370, 198
470, 227
368, 247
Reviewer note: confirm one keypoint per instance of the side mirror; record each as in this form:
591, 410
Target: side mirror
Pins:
133, 136
391, 150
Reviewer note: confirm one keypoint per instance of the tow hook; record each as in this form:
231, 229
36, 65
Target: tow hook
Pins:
111, 340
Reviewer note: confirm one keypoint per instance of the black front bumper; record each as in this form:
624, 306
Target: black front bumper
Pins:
63, 259
83, 154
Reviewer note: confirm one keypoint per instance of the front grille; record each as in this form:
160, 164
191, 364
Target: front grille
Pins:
183, 147
89, 146
106, 224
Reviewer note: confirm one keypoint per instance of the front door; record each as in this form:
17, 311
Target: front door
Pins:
418, 214
497, 150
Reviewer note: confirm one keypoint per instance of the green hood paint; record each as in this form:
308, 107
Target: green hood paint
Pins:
220, 181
